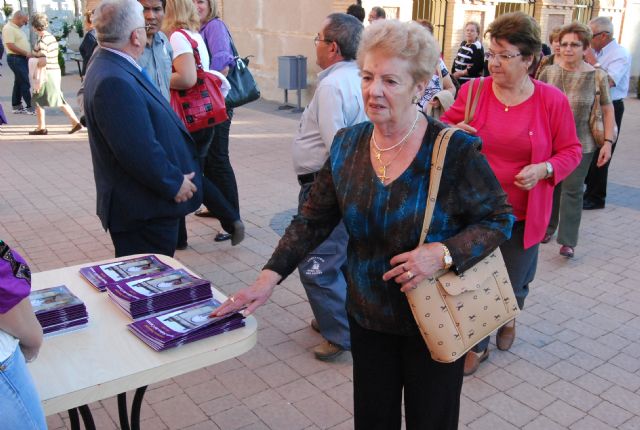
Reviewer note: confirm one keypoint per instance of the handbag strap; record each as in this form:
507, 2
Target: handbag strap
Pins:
470, 108
437, 162
194, 46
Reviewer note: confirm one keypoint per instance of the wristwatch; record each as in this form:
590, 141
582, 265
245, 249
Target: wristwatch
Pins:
448, 261
549, 167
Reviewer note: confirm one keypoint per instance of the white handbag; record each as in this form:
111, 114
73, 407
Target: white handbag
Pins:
455, 312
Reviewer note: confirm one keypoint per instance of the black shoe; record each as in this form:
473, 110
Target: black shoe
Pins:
588, 205
238, 233
221, 237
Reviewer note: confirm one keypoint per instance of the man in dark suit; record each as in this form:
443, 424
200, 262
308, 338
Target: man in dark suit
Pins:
145, 167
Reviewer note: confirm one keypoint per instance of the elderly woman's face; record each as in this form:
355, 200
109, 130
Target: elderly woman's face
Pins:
470, 33
388, 88
571, 48
508, 67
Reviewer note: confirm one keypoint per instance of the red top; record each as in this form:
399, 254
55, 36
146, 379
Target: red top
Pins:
538, 130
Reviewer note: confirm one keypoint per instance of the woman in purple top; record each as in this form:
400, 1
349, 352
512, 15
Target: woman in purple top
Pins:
217, 165
20, 340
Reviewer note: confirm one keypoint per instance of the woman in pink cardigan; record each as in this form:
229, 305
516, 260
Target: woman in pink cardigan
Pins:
530, 141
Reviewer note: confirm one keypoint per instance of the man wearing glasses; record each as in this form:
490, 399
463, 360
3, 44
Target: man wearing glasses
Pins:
156, 58
337, 103
609, 56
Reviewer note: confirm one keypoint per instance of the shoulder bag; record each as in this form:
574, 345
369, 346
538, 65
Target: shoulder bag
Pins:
243, 86
201, 106
455, 312
596, 118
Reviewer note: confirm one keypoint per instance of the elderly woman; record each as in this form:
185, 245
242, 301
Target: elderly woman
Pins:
469, 62
217, 166
183, 15
50, 94
20, 341
537, 151
554, 58
579, 81
376, 180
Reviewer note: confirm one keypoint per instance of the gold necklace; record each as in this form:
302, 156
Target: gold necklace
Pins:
379, 151
506, 106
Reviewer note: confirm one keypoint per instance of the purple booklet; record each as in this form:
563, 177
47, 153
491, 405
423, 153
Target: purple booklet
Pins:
101, 275
58, 309
159, 292
184, 325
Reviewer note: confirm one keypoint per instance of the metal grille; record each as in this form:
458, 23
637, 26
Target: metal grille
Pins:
528, 7
434, 11
583, 11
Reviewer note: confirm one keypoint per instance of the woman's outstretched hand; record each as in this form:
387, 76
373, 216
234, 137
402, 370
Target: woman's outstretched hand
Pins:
411, 268
252, 297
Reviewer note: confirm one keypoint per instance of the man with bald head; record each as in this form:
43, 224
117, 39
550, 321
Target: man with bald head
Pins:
18, 51
145, 167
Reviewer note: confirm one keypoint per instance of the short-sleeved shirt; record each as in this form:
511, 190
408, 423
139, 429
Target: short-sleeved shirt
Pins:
15, 285
580, 89
434, 86
48, 45
181, 45
156, 61
11, 33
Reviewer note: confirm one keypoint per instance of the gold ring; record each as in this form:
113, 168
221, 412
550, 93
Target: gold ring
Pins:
410, 275
233, 299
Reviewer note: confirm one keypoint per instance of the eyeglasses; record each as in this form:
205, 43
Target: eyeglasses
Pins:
500, 57
599, 33
317, 39
572, 45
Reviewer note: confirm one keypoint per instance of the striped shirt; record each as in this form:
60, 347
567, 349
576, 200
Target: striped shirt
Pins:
48, 45
471, 217
470, 57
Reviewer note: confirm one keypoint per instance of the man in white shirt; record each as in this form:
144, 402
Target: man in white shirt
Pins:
337, 103
609, 56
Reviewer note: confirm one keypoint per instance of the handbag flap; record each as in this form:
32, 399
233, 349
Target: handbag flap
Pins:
474, 278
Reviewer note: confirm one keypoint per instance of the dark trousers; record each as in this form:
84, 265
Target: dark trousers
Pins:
521, 265
155, 236
384, 365
217, 167
21, 87
596, 179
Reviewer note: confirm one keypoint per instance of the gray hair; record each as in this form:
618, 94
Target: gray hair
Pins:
114, 20
345, 30
380, 12
19, 13
603, 23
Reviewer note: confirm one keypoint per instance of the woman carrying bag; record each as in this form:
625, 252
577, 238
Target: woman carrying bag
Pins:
181, 23
217, 166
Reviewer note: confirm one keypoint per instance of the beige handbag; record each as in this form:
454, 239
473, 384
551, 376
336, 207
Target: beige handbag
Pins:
596, 117
455, 312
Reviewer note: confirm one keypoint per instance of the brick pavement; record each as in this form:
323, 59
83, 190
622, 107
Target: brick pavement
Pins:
575, 363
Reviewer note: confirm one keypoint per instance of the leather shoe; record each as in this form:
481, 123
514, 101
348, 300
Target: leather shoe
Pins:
315, 325
75, 128
39, 132
327, 351
505, 337
238, 233
547, 238
221, 237
472, 361
567, 251
204, 213
588, 205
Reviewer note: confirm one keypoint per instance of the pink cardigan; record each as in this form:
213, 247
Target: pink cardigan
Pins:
553, 138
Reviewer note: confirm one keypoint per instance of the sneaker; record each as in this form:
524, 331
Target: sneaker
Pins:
18, 110
327, 351
29, 111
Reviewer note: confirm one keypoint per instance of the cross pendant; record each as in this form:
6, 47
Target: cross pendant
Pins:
383, 174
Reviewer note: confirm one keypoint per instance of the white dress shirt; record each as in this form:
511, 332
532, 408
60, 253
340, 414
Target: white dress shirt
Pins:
616, 61
337, 103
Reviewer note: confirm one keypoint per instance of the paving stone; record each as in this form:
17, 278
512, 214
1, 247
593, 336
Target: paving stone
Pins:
263, 398
282, 415
206, 391
543, 423
592, 383
531, 396
590, 423
509, 409
476, 389
178, 412
490, 421
297, 390
573, 395
205, 425
562, 413
470, 410
327, 379
220, 404
566, 370
610, 414
623, 398
235, 418
242, 382
322, 410
277, 374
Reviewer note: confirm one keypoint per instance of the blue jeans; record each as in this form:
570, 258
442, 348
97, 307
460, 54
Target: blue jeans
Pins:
21, 87
20, 406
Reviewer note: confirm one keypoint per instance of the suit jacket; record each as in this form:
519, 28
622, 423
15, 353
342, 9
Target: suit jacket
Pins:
139, 147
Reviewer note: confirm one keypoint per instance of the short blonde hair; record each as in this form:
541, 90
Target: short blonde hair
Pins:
406, 40
39, 21
214, 12
180, 14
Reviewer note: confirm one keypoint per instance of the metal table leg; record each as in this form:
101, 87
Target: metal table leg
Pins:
136, 406
87, 418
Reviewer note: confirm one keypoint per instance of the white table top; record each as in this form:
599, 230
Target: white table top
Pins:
105, 359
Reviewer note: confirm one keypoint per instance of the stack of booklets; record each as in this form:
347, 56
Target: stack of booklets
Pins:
58, 310
126, 270
157, 293
184, 325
